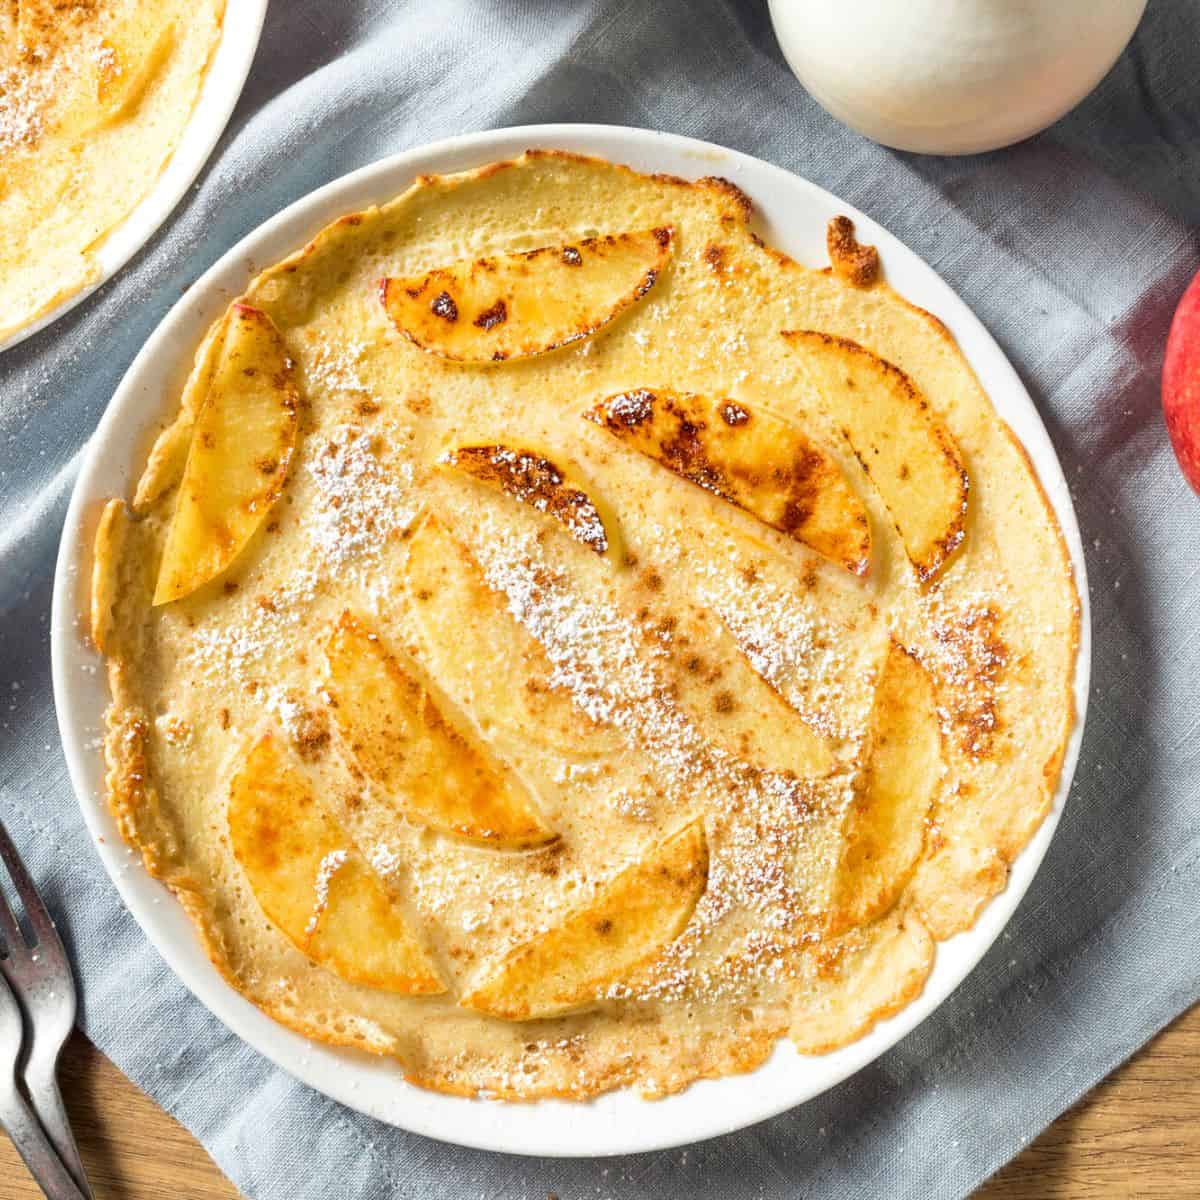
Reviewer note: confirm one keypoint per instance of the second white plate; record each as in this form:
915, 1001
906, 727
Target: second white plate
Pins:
793, 214
240, 31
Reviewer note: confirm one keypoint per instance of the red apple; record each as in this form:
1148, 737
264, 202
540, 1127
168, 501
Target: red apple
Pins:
1181, 384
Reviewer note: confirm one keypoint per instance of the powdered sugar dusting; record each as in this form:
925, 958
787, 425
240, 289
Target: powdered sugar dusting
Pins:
362, 502
338, 369
330, 865
25, 96
788, 648
598, 655
968, 654
233, 648
384, 859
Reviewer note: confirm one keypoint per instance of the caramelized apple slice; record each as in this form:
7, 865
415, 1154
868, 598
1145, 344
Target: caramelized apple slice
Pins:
312, 883
908, 453
752, 459
535, 480
884, 827
241, 448
500, 674
405, 744
515, 305
630, 921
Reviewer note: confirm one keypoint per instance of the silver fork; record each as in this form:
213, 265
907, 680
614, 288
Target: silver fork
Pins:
38, 975
16, 1116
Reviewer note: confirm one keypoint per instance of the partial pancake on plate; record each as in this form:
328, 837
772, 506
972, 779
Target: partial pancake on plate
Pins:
660, 644
94, 96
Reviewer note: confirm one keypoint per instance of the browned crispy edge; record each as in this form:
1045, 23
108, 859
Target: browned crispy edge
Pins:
853, 262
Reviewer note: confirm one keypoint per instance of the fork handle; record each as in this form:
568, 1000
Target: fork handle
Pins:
34, 1147
46, 1102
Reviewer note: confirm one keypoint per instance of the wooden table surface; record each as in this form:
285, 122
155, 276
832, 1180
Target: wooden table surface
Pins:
1136, 1135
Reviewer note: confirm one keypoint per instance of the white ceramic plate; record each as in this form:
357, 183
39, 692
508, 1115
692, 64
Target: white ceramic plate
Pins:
240, 31
794, 214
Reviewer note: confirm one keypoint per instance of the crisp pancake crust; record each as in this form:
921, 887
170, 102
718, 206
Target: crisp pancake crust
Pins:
94, 95
728, 766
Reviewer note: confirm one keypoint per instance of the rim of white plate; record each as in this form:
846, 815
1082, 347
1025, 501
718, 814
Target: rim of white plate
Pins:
792, 214
241, 28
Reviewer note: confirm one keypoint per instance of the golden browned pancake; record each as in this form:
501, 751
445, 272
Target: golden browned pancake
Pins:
562, 643
94, 95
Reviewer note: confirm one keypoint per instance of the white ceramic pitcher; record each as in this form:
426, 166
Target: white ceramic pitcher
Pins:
952, 76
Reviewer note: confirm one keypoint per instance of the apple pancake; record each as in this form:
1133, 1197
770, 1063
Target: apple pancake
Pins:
561, 643
94, 95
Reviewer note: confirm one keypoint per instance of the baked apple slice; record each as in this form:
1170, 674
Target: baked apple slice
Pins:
907, 452
514, 305
752, 459
313, 884
127, 69
884, 827
130, 57
404, 742
500, 674
536, 480
631, 919
242, 445
712, 680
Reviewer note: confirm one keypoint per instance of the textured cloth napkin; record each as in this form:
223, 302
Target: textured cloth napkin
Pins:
1072, 247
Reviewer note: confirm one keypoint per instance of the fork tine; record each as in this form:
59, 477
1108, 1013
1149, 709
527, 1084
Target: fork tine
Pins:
35, 910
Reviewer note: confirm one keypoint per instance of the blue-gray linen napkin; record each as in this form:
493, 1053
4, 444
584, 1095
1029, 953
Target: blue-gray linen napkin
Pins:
1071, 247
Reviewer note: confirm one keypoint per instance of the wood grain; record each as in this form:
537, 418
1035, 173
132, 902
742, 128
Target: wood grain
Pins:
1136, 1135
131, 1149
